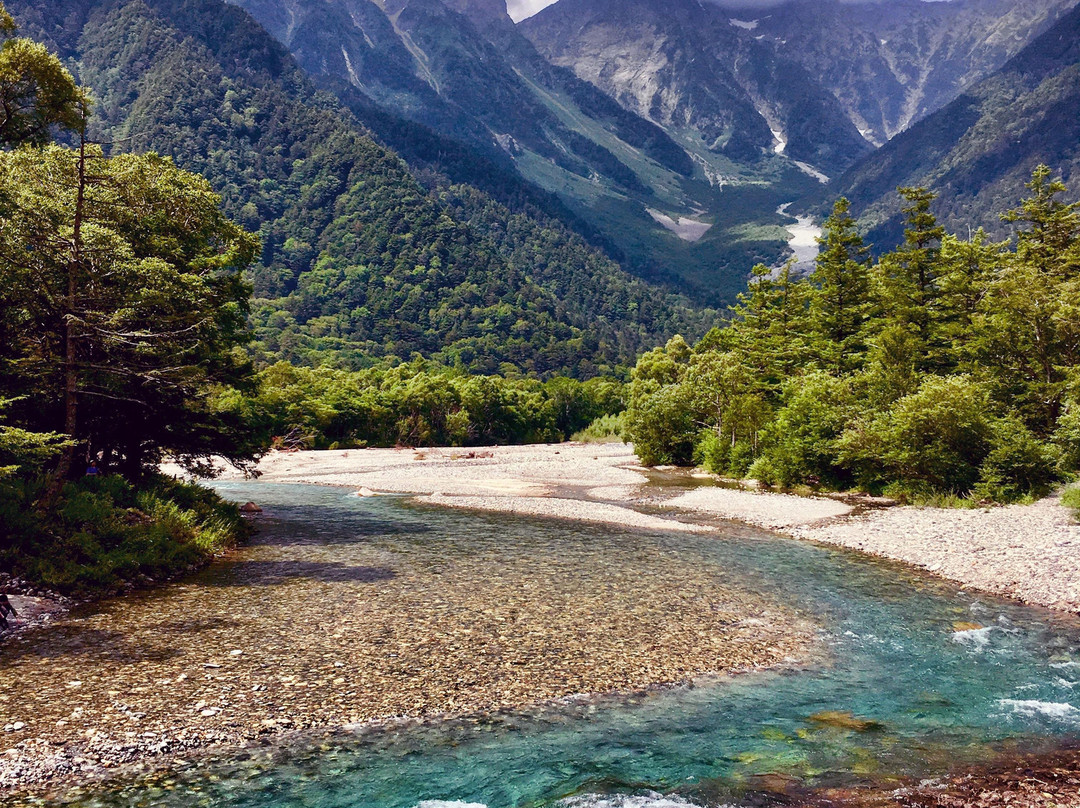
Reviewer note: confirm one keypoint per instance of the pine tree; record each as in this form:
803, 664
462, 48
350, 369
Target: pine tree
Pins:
840, 303
908, 280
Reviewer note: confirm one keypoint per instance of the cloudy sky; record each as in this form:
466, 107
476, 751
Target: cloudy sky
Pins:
520, 9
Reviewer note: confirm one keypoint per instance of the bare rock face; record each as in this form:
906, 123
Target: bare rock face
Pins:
828, 78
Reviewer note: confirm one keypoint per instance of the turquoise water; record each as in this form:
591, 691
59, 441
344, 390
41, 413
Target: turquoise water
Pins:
936, 696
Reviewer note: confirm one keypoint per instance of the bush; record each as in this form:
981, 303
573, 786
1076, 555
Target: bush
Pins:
932, 441
800, 443
103, 534
605, 429
1070, 498
1018, 466
719, 456
661, 427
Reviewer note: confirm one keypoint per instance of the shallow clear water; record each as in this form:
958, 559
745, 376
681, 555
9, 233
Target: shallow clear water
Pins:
937, 695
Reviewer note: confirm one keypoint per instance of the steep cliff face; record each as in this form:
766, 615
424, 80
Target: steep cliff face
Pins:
890, 64
683, 65
824, 75
979, 150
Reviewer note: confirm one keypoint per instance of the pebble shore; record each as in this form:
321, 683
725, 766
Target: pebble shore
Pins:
164, 673
1027, 552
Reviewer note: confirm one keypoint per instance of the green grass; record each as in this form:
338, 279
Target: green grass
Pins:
1070, 498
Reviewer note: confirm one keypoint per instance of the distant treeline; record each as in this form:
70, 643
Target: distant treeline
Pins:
950, 366
417, 404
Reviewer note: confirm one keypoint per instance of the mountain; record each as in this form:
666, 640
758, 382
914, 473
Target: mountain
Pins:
463, 69
890, 64
361, 259
978, 151
684, 65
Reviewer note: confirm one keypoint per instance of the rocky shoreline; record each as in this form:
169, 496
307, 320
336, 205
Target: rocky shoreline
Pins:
97, 691
1027, 552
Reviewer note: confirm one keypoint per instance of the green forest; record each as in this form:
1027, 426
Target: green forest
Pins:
244, 267
945, 370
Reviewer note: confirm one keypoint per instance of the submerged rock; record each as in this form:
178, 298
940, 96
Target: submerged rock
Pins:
842, 719
250, 507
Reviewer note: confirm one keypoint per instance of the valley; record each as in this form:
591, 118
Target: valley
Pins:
571, 404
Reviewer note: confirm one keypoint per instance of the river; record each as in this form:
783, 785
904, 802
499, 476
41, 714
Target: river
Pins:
802, 239
917, 674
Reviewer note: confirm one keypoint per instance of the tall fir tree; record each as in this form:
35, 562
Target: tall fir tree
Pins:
840, 303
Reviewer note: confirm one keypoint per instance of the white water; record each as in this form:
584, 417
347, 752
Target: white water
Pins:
1032, 707
803, 236
627, 801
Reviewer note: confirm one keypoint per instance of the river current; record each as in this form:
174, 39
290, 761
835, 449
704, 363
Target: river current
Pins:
918, 676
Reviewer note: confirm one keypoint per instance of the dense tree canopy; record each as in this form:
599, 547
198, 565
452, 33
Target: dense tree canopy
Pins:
949, 366
37, 94
122, 303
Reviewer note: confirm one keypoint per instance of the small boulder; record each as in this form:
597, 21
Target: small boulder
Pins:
250, 507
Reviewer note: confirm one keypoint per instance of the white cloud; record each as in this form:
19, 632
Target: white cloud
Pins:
522, 9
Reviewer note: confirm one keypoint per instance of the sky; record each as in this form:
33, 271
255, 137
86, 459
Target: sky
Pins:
520, 9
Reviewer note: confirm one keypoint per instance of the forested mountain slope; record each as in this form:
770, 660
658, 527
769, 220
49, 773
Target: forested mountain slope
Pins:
462, 67
978, 151
359, 258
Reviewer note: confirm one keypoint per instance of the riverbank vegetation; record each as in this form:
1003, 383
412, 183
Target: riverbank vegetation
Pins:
122, 317
946, 368
419, 404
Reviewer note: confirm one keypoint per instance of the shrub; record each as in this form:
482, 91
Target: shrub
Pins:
1018, 466
661, 427
103, 534
934, 440
605, 429
800, 443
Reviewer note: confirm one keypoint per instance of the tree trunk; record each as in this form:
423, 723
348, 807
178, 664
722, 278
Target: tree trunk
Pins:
71, 368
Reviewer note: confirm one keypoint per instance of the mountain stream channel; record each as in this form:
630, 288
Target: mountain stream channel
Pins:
898, 675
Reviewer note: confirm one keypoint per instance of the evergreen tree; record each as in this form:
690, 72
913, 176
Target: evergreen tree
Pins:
37, 94
908, 280
123, 304
840, 303
1031, 315
770, 324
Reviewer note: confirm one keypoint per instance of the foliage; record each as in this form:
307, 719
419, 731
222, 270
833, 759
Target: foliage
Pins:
123, 305
122, 315
945, 369
104, 534
361, 262
605, 429
37, 94
419, 404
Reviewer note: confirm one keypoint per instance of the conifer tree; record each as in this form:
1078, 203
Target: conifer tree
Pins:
908, 294
841, 299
